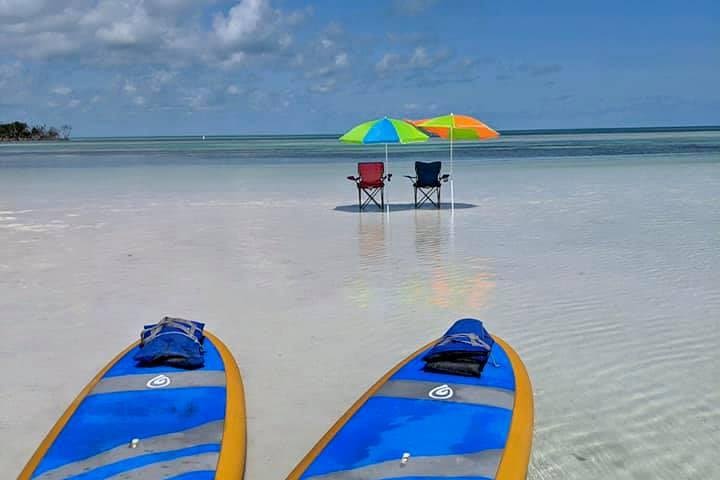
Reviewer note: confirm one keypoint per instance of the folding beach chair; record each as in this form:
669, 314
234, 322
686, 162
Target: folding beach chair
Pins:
371, 181
428, 181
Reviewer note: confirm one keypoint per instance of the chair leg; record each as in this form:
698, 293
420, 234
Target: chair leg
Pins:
382, 198
359, 200
427, 196
415, 191
438, 197
371, 197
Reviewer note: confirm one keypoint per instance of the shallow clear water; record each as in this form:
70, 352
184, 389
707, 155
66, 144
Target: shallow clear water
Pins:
596, 256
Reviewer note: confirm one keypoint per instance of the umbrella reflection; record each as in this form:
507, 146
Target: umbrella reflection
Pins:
371, 239
372, 254
435, 275
453, 281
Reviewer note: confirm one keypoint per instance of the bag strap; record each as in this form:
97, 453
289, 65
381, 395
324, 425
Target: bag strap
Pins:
186, 328
471, 339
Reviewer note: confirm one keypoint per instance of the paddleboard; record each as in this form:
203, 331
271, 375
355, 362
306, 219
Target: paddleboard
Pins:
417, 424
150, 423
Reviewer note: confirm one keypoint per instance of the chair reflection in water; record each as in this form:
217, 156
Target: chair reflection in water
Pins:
427, 181
371, 182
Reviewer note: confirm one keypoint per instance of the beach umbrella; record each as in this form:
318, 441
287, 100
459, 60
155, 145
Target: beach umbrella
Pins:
384, 131
456, 127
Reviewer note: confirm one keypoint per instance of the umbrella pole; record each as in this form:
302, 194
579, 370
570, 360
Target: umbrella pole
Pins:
387, 171
452, 173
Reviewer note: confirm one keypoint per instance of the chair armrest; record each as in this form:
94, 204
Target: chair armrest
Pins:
445, 177
353, 179
388, 176
409, 177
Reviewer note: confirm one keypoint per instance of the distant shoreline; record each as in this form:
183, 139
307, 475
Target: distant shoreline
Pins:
13, 132
32, 140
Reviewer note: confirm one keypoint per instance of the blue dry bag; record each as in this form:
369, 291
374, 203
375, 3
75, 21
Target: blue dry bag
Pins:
463, 350
173, 341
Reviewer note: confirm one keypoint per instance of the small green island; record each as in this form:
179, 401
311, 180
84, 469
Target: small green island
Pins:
22, 132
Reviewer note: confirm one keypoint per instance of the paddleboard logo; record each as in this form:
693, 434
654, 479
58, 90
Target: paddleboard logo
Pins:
158, 382
441, 392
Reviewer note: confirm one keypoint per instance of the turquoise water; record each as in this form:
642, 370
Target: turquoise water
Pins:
596, 255
326, 148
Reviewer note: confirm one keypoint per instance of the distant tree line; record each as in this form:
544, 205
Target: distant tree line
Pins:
18, 131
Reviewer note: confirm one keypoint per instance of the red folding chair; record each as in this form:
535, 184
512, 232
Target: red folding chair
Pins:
371, 181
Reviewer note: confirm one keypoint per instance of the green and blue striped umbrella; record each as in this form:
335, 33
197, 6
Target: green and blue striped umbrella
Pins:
384, 131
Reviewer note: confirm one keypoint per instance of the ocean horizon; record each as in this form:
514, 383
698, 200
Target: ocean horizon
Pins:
503, 132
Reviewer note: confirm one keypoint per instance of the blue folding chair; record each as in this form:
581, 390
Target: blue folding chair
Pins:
427, 181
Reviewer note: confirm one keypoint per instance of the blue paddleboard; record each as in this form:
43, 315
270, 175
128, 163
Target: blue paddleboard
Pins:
149, 423
414, 424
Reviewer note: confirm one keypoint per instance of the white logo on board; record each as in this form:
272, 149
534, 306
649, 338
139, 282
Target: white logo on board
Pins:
158, 382
441, 392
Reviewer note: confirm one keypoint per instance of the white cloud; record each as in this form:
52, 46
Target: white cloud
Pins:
242, 21
326, 62
285, 40
388, 61
323, 87
341, 60
299, 16
233, 60
123, 24
334, 29
201, 98
419, 59
60, 90
413, 7
415, 107
163, 41
334, 66
159, 79
129, 88
249, 29
21, 8
158, 32
170, 6
48, 44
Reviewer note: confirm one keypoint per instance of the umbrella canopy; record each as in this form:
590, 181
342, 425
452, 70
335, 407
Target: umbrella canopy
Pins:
456, 127
384, 131
461, 127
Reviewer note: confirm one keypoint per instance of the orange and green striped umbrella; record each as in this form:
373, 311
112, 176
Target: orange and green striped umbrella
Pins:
459, 127
456, 127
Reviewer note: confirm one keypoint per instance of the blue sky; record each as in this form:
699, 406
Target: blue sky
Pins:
157, 67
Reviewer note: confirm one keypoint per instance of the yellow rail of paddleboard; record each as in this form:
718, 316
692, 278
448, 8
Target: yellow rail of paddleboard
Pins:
231, 462
514, 462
